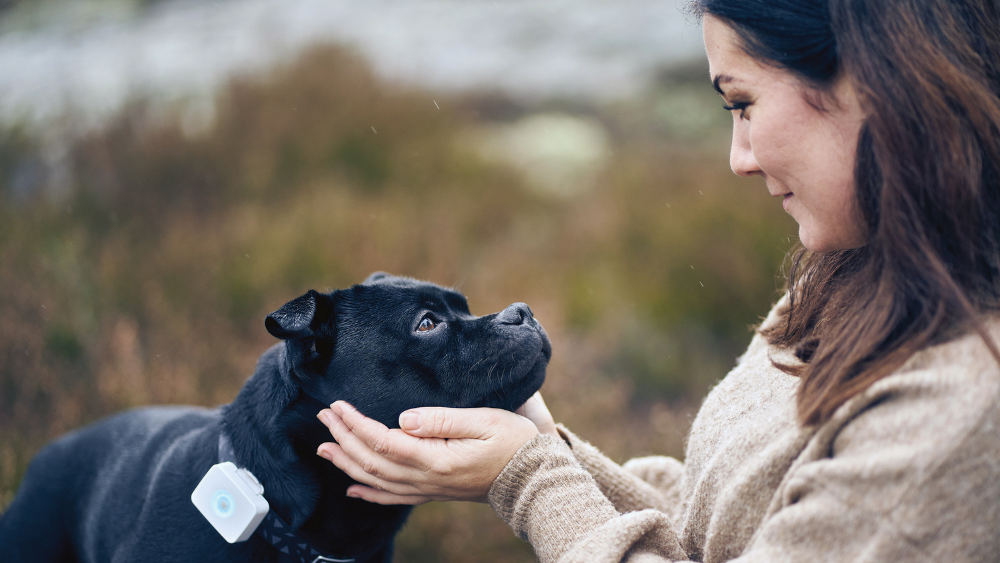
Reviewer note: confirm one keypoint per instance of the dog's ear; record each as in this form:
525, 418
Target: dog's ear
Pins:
306, 323
294, 319
375, 277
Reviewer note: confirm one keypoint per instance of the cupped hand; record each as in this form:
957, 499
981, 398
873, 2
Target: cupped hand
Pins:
443, 454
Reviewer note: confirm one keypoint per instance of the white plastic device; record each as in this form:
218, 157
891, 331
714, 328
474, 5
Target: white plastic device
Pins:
232, 500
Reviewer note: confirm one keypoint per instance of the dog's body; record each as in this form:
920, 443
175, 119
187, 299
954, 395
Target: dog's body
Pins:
120, 489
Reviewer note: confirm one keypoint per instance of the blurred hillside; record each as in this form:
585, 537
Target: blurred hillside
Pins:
140, 272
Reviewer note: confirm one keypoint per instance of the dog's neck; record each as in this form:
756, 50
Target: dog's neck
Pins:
274, 432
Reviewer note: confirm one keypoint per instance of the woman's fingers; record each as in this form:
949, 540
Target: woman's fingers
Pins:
353, 456
449, 423
394, 479
383, 497
360, 434
336, 455
371, 432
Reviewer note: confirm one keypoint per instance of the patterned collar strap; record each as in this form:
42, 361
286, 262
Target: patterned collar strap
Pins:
275, 530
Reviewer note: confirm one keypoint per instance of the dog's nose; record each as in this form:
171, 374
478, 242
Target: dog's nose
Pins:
515, 314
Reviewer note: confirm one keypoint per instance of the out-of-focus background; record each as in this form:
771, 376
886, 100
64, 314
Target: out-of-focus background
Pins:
173, 170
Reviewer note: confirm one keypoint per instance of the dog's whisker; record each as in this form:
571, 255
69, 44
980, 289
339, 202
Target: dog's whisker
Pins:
481, 360
489, 375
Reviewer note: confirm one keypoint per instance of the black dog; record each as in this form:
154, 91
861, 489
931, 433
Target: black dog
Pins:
120, 489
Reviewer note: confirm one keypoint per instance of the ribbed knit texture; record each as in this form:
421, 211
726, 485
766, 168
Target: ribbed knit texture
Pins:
909, 470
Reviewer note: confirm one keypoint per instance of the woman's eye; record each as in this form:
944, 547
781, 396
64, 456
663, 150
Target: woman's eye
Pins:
426, 324
741, 106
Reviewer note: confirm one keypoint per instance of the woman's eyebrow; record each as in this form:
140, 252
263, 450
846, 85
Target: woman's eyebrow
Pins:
721, 79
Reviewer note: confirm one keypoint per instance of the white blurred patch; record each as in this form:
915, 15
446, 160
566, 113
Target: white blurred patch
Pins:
559, 155
197, 117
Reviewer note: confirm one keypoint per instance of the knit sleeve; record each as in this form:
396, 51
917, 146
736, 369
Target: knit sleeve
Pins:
642, 483
551, 501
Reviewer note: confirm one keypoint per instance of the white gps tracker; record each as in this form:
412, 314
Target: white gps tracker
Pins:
232, 500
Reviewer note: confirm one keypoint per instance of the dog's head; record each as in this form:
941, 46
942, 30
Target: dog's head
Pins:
391, 343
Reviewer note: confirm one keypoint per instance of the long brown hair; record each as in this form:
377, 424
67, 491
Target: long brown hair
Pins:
927, 182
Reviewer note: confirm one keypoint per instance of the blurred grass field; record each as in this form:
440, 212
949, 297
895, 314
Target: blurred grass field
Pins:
145, 278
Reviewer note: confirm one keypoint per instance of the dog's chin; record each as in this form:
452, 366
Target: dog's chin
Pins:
515, 393
533, 381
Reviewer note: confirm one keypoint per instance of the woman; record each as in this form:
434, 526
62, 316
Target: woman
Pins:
861, 424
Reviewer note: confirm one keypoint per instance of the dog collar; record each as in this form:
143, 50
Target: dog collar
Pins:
273, 529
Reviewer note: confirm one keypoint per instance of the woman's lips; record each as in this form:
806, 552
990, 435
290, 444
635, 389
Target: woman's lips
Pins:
784, 202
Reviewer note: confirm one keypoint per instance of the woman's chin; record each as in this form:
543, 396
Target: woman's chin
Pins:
819, 244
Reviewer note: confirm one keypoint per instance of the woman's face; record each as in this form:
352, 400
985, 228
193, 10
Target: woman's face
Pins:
805, 152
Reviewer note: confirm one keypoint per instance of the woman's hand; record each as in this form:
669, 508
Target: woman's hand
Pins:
443, 454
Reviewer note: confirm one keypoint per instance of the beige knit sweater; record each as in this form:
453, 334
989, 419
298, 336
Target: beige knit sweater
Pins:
907, 471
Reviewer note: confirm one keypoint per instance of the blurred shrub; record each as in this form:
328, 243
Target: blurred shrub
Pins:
148, 281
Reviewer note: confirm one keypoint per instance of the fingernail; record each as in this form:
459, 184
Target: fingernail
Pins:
353, 494
323, 454
409, 420
324, 415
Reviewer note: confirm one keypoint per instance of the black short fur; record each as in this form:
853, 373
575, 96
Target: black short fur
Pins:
119, 490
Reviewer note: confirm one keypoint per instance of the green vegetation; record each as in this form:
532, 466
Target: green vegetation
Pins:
149, 280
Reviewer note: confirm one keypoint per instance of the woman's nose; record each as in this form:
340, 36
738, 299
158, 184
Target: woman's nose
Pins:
741, 157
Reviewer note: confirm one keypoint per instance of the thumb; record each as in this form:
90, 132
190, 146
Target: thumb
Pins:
442, 422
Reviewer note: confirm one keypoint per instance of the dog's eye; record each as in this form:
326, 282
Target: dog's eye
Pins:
426, 324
